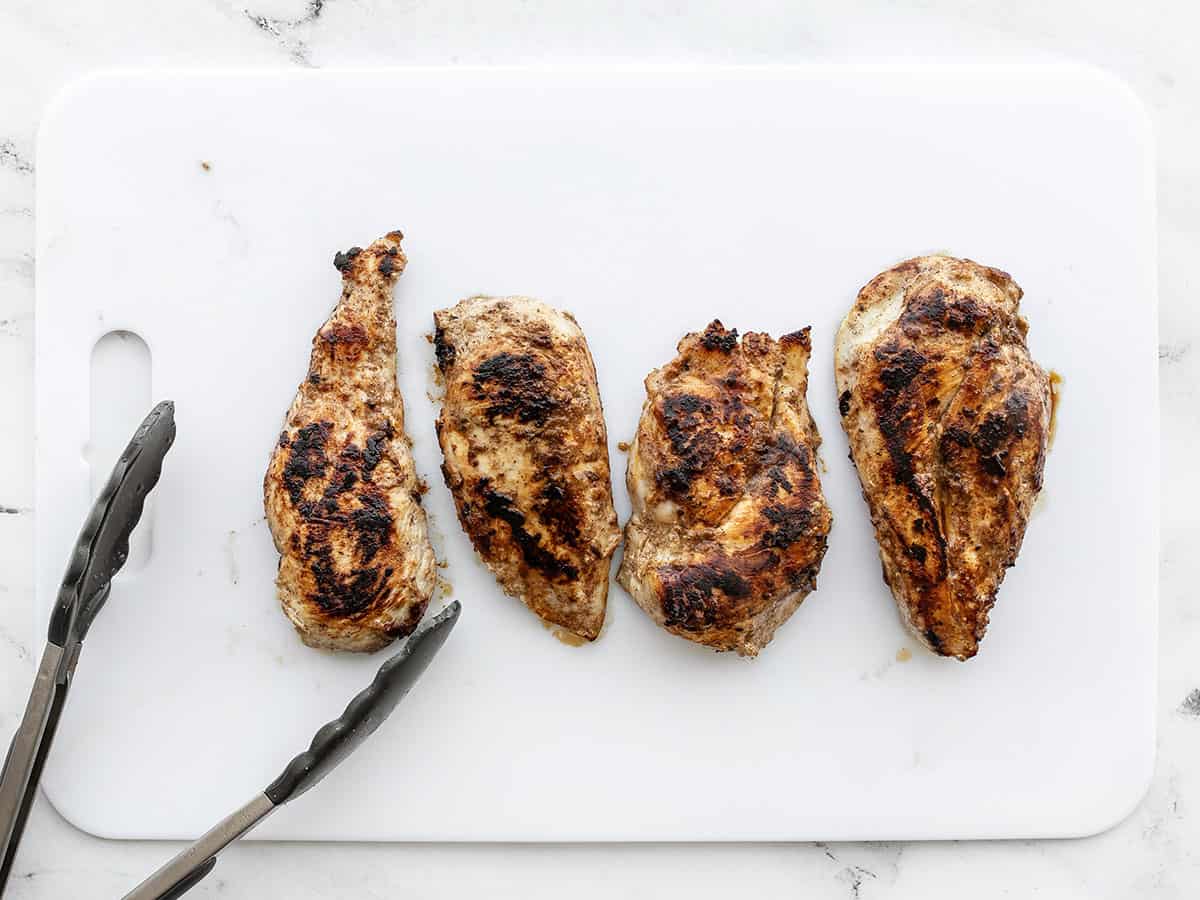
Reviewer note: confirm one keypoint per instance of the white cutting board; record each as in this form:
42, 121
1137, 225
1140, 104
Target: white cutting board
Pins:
647, 202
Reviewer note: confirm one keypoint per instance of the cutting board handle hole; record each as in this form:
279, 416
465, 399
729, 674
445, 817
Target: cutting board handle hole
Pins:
120, 398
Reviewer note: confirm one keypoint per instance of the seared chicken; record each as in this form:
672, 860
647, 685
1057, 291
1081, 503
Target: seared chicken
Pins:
526, 454
729, 524
356, 569
947, 417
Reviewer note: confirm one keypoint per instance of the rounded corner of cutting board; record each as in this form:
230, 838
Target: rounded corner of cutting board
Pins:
76, 812
59, 106
1124, 805
1111, 88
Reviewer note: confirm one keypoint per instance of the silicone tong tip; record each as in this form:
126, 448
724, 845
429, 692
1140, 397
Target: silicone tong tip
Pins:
103, 543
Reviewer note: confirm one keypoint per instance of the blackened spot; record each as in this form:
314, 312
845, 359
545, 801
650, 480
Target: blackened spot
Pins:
844, 403
964, 315
679, 405
514, 385
1017, 409
284, 440
779, 478
791, 525
806, 579
502, 507
676, 480
387, 266
686, 421
900, 366
314, 378
342, 595
991, 432
784, 449
342, 260
342, 480
373, 452
898, 416
372, 523
800, 337
917, 552
993, 465
307, 458
443, 350
935, 642
927, 307
688, 594
344, 334
956, 434
560, 514
997, 429
715, 337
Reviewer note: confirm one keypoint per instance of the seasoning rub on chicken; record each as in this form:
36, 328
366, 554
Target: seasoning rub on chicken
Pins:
356, 569
729, 523
947, 418
526, 454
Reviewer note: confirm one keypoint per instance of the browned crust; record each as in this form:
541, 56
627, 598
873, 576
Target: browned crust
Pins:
730, 525
525, 454
341, 491
947, 418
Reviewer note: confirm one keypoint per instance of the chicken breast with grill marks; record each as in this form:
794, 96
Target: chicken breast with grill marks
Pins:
947, 418
526, 454
356, 569
729, 523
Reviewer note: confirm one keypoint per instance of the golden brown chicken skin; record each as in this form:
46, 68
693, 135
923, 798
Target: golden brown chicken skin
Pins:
526, 454
729, 524
356, 569
947, 418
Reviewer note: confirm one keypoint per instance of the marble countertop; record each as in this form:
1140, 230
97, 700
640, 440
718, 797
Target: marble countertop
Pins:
1152, 854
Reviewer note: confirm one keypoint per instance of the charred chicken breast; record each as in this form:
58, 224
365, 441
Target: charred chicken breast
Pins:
356, 569
526, 454
729, 524
947, 418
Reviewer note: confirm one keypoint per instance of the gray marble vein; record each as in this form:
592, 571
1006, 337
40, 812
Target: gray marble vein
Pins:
21, 265
1191, 704
19, 647
1173, 353
283, 29
12, 158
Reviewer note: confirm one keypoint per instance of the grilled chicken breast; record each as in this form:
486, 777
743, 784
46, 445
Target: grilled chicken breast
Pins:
356, 569
729, 524
947, 418
526, 454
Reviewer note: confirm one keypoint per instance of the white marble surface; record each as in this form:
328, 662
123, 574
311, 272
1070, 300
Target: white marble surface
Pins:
1152, 854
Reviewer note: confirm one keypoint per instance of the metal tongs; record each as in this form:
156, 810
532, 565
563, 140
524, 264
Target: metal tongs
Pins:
100, 552
334, 742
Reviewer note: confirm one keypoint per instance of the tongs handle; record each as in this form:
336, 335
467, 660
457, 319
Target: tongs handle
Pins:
27, 754
99, 553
